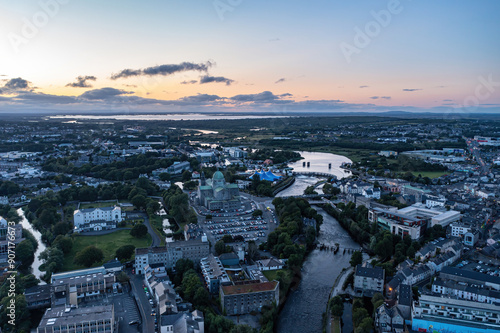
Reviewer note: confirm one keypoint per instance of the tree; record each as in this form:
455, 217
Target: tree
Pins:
252, 250
125, 252
358, 315
257, 212
201, 297
365, 326
186, 175
139, 201
356, 258
89, 256
139, 230
122, 277
227, 239
243, 329
164, 176
337, 306
65, 244
25, 254
310, 190
220, 247
53, 260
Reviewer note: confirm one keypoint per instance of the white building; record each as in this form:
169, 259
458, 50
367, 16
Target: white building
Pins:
459, 229
96, 219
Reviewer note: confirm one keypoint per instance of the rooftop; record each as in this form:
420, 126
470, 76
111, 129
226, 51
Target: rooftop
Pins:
253, 287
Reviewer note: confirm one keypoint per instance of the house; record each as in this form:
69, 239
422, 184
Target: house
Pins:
368, 280
270, 264
192, 322
389, 319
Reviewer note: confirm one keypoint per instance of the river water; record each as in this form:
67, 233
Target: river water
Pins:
35, 267
304, 307
319, 163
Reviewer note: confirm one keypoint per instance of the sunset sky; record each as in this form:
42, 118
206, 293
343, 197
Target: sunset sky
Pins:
242, 55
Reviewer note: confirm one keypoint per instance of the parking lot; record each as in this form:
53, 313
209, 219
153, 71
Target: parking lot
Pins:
126, 312
486, 267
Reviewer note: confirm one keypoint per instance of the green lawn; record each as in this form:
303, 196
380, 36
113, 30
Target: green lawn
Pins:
107, 243
430, 174
272, 275
335, 325
97, 204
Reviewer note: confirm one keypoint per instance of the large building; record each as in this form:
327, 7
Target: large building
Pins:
368, 280
99, 318
194, 249
214, 273
412, 220
435, 313
247, 296
216, 194
70, 288
97, 219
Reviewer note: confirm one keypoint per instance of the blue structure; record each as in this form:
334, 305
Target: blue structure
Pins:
268, 175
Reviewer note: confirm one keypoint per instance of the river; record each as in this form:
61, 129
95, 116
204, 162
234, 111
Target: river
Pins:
318, 163
35, 267
304, 307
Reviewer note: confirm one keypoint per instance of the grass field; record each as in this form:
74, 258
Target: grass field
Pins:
97, 204
335, 325
430, 174
272, 275
107, 243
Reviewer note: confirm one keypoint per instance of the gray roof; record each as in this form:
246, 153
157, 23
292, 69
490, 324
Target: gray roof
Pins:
405, 295
376, 272
167, 320
89, 210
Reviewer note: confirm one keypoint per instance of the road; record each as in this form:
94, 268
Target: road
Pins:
148, 325
154, 236
475, 150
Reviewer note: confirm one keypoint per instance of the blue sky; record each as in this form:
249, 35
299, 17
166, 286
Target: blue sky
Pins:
290, 55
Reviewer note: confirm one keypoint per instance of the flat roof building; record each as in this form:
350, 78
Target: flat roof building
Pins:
99, 318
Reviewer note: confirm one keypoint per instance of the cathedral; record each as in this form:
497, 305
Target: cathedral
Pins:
216, 194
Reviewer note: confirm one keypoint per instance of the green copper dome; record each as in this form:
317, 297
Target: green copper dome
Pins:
218, 175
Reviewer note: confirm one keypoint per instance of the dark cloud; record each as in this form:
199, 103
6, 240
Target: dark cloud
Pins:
385, 97
210, 79
81, 82
263, 97
363, 86
281, 80
447, 100
38, 98
164, 70
374, 97
189, 82
15, 85
103, 93
413, 89
201, 98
